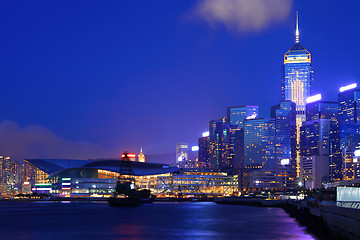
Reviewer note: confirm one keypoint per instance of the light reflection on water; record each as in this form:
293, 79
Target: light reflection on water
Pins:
86, 220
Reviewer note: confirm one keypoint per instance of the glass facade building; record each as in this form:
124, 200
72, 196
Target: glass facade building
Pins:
237, 115
220, 152
349, 123
192, 182
329, 110
297, 75
259, 154
87, 178
315, 150
296, 84
204, 149
285, 141
259, 139
349, 106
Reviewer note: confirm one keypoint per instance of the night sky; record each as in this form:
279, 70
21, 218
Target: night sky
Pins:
87, 79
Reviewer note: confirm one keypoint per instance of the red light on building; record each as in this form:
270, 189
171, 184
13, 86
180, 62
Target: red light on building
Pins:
128, 155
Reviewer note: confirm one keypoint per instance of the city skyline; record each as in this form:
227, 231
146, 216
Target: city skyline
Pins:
75, 106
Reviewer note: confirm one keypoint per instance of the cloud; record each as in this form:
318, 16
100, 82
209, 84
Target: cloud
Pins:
242, 15
34, 141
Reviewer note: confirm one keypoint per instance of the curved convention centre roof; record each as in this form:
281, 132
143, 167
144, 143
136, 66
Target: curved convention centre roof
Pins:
55, 166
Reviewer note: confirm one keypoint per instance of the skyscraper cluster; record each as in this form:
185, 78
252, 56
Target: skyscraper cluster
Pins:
306, 141
15, 177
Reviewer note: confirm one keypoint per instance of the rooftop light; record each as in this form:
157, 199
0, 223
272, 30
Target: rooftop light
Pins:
195, 148
314, 98
348, 87
206, 134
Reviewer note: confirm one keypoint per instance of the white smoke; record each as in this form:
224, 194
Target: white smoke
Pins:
243, 15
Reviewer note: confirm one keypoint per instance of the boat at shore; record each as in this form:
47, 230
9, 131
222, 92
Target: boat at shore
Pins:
125, 194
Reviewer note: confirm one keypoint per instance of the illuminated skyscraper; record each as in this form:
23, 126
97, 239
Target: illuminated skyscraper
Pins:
296, 84
328, 110
285, 141
349, 122
259, 154
297, 78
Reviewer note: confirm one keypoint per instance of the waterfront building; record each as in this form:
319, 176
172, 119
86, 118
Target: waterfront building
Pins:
141, 156
12, 176
237, 115
97, 178
259, 154
182, 152
349, 123
194, 182
285, 142
90, 178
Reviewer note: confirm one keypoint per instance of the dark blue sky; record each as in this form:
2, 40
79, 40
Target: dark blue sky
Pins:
120, 74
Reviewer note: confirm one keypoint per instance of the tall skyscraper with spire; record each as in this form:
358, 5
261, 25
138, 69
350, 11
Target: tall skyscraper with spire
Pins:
297, 78
296, 83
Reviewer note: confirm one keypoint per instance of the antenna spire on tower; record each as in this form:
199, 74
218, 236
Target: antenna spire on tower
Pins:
297, 35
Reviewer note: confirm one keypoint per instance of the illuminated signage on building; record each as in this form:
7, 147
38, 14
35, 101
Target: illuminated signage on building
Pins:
206, 134
314, 98
348, 87
195, 148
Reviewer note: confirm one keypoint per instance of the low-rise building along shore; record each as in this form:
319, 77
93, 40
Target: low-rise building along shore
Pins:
97, 178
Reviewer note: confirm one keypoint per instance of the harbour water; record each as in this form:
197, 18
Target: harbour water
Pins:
96, 220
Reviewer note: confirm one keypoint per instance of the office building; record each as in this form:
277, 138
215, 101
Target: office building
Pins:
297, 75
296, 83
204, 149
219, 145
329, 110
259, 154
285, 142
315, 149
237, 115
349, 123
